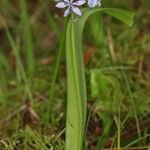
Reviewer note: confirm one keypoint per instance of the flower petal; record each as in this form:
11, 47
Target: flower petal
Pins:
76, 10
79, 2
67, 12
67, 1
61, 5
93, 3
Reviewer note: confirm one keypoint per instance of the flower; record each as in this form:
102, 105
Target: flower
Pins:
71, 6
94, 3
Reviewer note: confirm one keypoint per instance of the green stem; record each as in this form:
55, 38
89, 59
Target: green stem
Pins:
55, 74
27, 38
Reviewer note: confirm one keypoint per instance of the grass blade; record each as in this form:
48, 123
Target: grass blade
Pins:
27, 37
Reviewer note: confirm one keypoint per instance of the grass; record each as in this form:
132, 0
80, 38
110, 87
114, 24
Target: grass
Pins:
33, 78
27, 37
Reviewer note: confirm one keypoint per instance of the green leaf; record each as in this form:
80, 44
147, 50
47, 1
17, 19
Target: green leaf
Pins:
122, 15
76, 105
28, 39
76, 94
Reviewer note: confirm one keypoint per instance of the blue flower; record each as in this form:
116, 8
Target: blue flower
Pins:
71, 6
94, 3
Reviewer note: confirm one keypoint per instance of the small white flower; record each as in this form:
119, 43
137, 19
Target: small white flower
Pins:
94, 3
71, 6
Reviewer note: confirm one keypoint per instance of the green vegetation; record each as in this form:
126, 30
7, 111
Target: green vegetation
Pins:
88, 76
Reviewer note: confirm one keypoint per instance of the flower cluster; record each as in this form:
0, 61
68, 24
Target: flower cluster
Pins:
72, 6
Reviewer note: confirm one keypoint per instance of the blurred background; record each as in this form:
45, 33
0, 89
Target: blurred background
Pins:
33, 76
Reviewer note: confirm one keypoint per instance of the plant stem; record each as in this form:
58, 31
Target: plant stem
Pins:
55, 74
